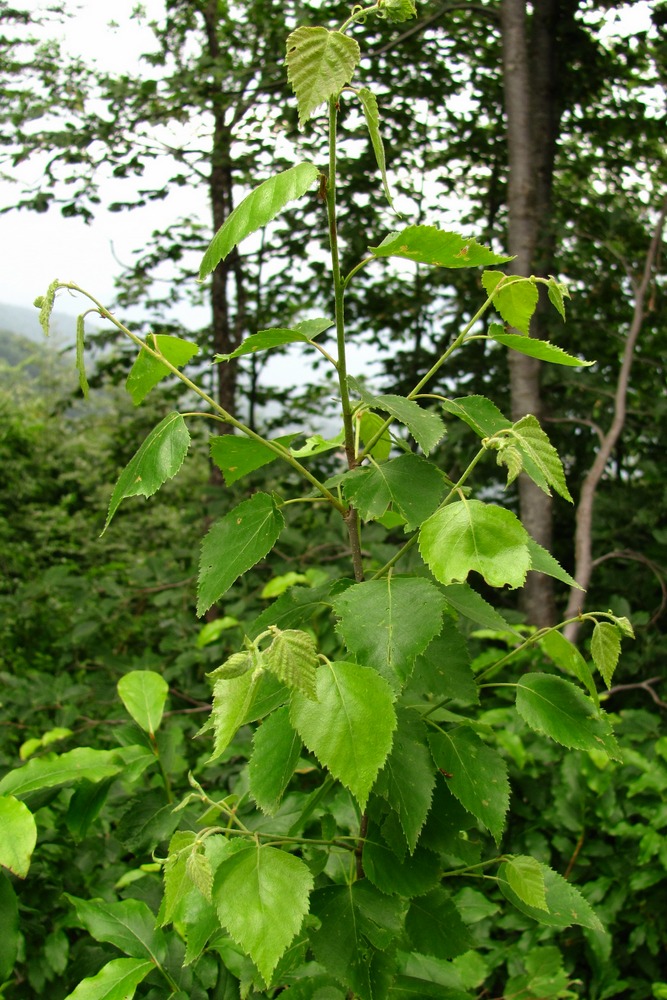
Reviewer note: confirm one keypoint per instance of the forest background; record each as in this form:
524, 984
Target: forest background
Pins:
539, 129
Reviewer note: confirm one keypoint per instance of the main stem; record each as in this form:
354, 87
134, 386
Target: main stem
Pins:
351, 516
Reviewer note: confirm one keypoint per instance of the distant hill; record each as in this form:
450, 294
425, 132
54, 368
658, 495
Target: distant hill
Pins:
24, 322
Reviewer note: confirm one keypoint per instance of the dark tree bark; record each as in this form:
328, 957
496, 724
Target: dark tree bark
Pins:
532, 108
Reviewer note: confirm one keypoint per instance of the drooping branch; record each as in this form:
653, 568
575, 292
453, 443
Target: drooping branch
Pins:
584, 521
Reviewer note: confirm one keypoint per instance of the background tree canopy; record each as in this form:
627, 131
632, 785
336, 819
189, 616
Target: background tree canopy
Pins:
539, 130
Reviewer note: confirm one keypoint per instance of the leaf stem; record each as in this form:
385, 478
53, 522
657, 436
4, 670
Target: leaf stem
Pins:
227, 418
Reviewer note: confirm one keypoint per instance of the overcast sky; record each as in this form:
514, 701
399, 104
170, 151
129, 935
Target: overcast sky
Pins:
39, 248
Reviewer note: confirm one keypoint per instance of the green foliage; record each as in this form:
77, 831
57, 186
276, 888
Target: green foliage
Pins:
377, 746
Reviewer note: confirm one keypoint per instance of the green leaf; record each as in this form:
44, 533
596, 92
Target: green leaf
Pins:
413, 485
606, 649
128, 925
236, 456
9, 921
264, 340
479, 413
276, 751
444, 671
53, 770
316, 445
372, 115
425, 426
256, 210
566, 656
387, 623
144, 693
540, 349
159, 458
232, 701
428, 245
319, 64
350, 727
80, 355
471, 535
557, 293
354, 919
235, 544
178, 876
565, 904
292, 657
535, 443
541, 561
261, 895
555, 707
435, 927
525, 876
370, 424
147, 371
407, 779
117, 980
399, 10
471, 605
412, 875
18, 835
478, 775
515, 298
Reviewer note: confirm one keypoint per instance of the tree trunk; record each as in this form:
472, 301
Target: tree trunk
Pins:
532, 109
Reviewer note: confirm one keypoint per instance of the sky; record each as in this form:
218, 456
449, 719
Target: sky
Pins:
42, 247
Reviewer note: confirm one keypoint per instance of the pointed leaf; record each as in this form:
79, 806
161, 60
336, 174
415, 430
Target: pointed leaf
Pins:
292, 657
428, 245
479, 413
566, 656
147, 371
256, 210
370, 424
158, 459
534, 442
525, 876
444, 670
471, 535
565, 904
555, 707
177, 881
264, 340
261, 895
235, 544
350, 727
541, 561
408, 777
425, 426
606, 649
411, 484
372, 115
412, 875
53, 770
471, 605
117, 980
514, 297
236, 456
540, 349
316, 445
435, 927
276, 751
478, 775
399, 10
18, 835
143, 693
353, 919
387, 623
232, 699
319, 64
128, 925
557, 292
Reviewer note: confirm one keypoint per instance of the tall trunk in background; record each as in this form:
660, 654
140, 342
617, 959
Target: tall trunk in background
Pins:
227, 322
532, 108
